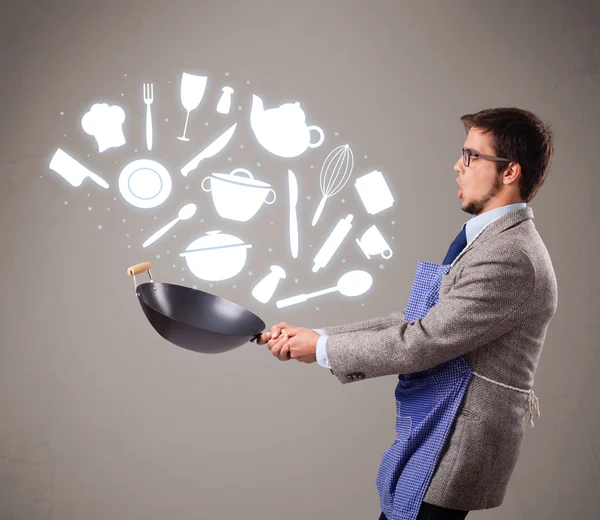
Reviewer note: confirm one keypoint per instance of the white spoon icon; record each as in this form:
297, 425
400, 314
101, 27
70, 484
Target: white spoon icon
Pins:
184, 213
353, 283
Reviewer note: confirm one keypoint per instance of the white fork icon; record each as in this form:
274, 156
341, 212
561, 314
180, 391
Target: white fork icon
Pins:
148, 93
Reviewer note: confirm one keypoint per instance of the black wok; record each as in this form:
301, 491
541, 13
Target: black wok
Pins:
194, 319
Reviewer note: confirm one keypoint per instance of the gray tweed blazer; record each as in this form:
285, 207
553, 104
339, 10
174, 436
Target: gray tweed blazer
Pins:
494, 308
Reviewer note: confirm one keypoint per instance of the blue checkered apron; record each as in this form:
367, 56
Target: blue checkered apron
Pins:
426, 406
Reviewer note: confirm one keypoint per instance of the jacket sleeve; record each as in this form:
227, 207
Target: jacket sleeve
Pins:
377, 323
485, 302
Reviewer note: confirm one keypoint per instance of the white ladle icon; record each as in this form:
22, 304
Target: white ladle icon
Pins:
185, 213
353, 283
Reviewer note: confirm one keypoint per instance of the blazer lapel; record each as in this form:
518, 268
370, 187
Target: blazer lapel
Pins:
499, 225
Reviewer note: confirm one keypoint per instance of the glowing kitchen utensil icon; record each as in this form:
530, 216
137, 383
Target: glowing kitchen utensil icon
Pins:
263, 290
374, 192
185, 213
191, 92
148, 94
215, 256
73, 171
372, 243
283, 131
332, 243
236, 197
352, 283
212, 149
335, 172
224, 104
105, 123
293, 189
145, 183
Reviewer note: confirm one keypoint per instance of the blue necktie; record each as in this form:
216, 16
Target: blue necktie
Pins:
456, 247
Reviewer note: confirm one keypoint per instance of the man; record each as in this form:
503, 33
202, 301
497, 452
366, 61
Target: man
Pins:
469, 342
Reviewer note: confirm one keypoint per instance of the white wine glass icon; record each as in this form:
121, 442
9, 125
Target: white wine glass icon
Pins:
192, 92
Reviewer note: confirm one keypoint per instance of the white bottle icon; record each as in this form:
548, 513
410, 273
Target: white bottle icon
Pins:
332, 243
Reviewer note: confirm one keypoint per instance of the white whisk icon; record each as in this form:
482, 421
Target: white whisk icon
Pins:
335, 172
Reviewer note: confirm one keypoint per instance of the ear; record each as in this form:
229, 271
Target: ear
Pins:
512, 173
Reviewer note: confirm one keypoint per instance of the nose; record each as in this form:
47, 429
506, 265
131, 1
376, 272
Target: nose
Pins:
458, 166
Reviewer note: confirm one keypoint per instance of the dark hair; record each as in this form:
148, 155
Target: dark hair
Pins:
520, 136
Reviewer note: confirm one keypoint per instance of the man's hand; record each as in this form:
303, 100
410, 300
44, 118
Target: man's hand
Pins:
289, 342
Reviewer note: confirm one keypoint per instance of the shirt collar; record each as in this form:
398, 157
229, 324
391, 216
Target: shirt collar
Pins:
478, 222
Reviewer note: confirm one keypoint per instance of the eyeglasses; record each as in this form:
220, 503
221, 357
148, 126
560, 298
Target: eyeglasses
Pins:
467, 154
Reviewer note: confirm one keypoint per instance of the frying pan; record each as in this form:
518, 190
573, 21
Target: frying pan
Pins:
194, 319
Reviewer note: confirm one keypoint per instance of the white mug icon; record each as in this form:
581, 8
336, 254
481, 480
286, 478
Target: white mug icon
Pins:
372, 243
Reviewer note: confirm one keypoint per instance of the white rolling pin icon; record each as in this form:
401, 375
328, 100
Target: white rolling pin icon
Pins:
332, 243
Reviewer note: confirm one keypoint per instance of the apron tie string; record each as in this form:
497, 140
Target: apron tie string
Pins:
533, 404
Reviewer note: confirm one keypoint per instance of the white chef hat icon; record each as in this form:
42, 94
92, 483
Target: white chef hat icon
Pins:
105, 123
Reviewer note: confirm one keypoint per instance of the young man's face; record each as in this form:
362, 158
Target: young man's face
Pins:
480, 183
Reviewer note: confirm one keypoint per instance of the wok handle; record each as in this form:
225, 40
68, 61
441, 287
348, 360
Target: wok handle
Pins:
139, 268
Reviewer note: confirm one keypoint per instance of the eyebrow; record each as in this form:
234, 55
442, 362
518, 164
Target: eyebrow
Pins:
473, 150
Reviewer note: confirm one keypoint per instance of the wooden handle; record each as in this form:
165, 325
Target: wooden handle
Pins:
139, 268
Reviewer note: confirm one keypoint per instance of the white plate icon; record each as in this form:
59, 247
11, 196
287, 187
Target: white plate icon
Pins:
145, 183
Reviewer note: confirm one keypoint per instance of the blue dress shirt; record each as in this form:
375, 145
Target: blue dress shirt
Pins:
474, 226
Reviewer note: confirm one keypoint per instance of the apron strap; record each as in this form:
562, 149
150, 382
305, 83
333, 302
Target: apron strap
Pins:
533, 404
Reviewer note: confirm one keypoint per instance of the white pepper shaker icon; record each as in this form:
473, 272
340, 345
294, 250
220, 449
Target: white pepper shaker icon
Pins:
263, 291
224, 104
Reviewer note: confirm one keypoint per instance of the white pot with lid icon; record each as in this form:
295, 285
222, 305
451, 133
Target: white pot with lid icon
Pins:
237, 197
215, 256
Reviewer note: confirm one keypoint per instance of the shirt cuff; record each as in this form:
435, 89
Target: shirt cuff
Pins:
322, 349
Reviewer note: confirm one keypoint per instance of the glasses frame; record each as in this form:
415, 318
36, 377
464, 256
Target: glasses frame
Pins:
467, 154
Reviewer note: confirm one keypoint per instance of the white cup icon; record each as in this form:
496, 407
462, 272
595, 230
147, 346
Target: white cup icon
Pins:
372, 243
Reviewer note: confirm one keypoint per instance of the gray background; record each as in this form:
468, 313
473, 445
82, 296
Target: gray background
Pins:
100, 418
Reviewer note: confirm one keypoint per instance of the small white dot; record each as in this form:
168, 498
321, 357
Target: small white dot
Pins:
107, 209
114, 198
182, 268
141, 230
247, 83
174, 236
229, 159
210, 284
308, 197
194, 286
257, 164
296, 280
62, 113
89, 208
66, 202
393, 221
227, 74
343, 201
239, 107
241, 146
249, 273
310, 245
336, 133
366, 156
234, 286
206, 123
201, 220
128, 246
168, 252
124, 220
317, 308
65, 135
393, 238
312, 165
174, 266
343, 260
362, 304
270, 250
135, 150
88, 194
155, 217
182, 280
125, 75
166, 119
381, 266
158, 257
100, 226
127, 235
122, 94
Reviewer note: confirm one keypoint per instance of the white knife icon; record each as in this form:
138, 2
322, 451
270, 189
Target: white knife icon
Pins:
293, 186
212, 149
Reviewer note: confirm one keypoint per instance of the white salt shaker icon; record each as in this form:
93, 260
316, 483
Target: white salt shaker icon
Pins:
224, 104
264, 290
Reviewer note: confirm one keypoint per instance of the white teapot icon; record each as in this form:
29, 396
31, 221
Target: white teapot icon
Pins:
283, 131
105, 123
